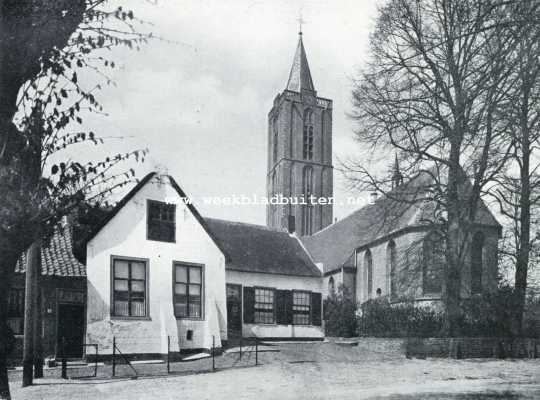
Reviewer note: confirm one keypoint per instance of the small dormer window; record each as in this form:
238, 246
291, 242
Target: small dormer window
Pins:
161, 221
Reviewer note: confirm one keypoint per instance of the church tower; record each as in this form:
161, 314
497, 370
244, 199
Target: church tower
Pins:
300, 153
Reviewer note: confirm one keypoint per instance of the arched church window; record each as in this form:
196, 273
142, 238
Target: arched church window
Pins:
275, 144
391, 269
477, 262
331, 286
432, 263
307, 206
273, 189
368, 265
308, 135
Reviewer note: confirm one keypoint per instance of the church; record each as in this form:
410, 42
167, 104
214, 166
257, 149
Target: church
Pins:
161, 278
387, 248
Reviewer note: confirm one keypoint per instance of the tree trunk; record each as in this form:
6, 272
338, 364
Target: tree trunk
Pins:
38, 327
522, 260
7, 266
452, 276
30, 303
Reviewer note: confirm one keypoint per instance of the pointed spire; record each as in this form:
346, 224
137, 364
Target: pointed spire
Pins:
397, 177
300, 76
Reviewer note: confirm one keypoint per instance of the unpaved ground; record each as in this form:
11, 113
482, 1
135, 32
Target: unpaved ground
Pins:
373, 370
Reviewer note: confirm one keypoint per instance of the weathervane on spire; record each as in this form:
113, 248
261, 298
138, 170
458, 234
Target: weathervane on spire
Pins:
301, 21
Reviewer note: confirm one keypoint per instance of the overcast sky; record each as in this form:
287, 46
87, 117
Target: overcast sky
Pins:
200, 105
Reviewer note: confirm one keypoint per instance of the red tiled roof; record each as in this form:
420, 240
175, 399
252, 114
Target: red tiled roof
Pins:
57, 257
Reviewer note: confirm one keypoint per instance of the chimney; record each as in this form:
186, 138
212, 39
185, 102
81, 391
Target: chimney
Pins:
291, 224
372, 197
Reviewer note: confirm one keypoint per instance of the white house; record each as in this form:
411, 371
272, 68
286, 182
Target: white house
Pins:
273, 286
156, 276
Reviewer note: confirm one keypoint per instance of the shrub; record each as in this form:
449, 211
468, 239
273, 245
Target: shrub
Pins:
340, 313
488, 314
381, 318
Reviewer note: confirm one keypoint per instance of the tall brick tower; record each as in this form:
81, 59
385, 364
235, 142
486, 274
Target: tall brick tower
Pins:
300, 152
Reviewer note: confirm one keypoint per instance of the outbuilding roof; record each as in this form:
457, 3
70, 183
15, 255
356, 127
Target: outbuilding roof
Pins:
57, 257
257, 248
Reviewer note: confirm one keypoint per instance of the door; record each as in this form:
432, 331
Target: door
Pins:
70, 333
234, 310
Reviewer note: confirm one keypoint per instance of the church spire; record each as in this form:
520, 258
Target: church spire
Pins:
300, 76
397, 177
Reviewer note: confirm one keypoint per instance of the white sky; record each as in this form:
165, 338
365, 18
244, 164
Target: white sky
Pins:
201, 105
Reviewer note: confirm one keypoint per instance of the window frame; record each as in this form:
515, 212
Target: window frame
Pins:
391, 259
478, 243
294, 312
432, 276
368, 266
307, 135
18, 318
307, 207
275, 133
331, 286
274, 319
149, 203
146, 262
202, 289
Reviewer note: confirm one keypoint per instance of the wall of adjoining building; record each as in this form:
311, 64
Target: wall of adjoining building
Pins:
283, 282
54, 291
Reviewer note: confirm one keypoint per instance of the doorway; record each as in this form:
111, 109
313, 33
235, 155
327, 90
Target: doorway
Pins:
70, 331
234, 310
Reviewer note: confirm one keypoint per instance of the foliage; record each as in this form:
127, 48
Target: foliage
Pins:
491, 314
381, 318
486, 315
340, 313
54, 63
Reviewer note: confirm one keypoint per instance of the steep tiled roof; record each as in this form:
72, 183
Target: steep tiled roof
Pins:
300, 76
57, 257
400, 210
256, 248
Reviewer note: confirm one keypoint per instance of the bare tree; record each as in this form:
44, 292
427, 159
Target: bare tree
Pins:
438, 74
518, 187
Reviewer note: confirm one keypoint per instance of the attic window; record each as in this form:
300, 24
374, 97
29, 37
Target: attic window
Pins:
161, 221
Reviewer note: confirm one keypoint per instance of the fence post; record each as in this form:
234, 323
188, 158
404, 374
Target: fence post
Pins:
64, 361
168, 354
256, 350
114, 356
213, 353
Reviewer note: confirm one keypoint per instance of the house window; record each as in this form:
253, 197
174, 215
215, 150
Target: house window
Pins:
161, 221
307, 214
301, 308
368, 265
16, 311
264, 306
433, 262
477, 250
129, 288
308, 135
188, 289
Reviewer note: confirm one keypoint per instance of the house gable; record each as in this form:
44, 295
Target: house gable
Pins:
169, 192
